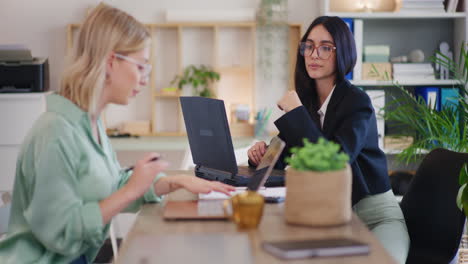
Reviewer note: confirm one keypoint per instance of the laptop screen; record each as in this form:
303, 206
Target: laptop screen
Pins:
208, 133
266, 165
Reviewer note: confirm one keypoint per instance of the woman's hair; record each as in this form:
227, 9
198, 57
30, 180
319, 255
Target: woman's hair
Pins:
345, 57
105, 29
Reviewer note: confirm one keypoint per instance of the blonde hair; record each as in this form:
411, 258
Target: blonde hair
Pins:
105, 29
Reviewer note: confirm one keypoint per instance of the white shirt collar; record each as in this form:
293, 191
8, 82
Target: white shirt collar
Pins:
323, 109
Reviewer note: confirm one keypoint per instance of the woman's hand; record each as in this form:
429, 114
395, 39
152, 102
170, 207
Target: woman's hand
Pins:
289, 101
190, 183
144, 173
256, 152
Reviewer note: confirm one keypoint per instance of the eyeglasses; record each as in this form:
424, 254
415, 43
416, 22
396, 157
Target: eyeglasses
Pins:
323, 51
144, 68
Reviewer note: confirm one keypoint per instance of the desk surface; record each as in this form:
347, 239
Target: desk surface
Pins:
272, 227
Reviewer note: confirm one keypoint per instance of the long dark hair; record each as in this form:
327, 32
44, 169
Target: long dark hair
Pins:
345, 58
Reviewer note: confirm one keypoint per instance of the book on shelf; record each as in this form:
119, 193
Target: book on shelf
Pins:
376, 53
431, 95
435, 6
411, 66
413, 71
379, 71
448, 97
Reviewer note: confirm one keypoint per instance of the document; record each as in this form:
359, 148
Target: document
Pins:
267, 192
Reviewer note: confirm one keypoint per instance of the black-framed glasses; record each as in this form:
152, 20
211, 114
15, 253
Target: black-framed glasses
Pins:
324, 51
144, 68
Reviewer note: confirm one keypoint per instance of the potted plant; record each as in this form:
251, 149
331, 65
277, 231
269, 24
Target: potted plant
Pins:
447, 128
199, 77
318, 184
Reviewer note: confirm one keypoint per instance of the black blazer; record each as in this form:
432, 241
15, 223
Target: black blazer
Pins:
349, 121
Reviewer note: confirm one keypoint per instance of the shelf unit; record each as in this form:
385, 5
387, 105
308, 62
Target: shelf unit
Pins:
423, 30
393, 15
227, 47
404, 83
403, 32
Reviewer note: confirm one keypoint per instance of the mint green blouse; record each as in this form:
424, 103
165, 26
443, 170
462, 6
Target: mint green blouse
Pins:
62, 173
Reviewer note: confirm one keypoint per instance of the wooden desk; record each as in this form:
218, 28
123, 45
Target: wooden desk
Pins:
272, 227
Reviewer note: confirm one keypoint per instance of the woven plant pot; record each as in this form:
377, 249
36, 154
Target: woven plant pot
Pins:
318, 198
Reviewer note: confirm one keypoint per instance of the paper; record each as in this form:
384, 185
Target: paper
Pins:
267, 192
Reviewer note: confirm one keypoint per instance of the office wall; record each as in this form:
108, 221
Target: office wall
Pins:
41, 24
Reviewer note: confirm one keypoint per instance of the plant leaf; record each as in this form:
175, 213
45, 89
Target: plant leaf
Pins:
459, 196
463, 178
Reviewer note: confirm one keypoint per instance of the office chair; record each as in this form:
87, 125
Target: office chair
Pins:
435, 224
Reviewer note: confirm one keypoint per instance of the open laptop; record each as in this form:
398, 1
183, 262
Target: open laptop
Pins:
212, 208
211, 144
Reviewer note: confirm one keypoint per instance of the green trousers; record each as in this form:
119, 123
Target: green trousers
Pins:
383, 216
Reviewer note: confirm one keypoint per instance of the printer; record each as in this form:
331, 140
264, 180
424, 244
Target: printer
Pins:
20, 72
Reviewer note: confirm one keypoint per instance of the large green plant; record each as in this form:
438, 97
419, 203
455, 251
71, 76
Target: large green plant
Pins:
429, 128
199, 78
462, 197
322, 156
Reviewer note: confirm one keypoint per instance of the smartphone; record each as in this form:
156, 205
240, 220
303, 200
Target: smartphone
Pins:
297, 249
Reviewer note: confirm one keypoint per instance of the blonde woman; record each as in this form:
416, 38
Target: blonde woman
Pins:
68, 182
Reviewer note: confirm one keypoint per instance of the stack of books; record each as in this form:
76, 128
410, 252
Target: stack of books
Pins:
413, 72
376, 53
429, 6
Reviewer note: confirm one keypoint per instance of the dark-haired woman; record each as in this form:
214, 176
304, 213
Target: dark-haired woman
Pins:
326, 105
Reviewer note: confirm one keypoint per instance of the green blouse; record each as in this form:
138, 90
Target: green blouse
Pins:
62, 173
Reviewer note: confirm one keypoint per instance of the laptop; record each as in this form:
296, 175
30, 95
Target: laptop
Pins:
213, 208
211, 144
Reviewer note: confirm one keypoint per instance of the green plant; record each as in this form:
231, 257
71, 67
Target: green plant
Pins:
462, 197
322, 156
429, 128
199, 78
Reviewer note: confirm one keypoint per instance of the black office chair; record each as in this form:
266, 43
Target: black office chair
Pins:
435, 224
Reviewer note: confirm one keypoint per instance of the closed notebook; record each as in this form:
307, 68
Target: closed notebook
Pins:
297, 249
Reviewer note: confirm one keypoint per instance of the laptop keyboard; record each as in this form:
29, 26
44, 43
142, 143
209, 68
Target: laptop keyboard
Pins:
210, 207
242, 170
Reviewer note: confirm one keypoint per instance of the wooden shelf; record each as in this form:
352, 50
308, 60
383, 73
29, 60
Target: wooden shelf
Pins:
399, 15
216, 43
202, 24
404, 83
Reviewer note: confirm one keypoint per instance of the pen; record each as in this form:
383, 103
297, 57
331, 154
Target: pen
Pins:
132, 167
